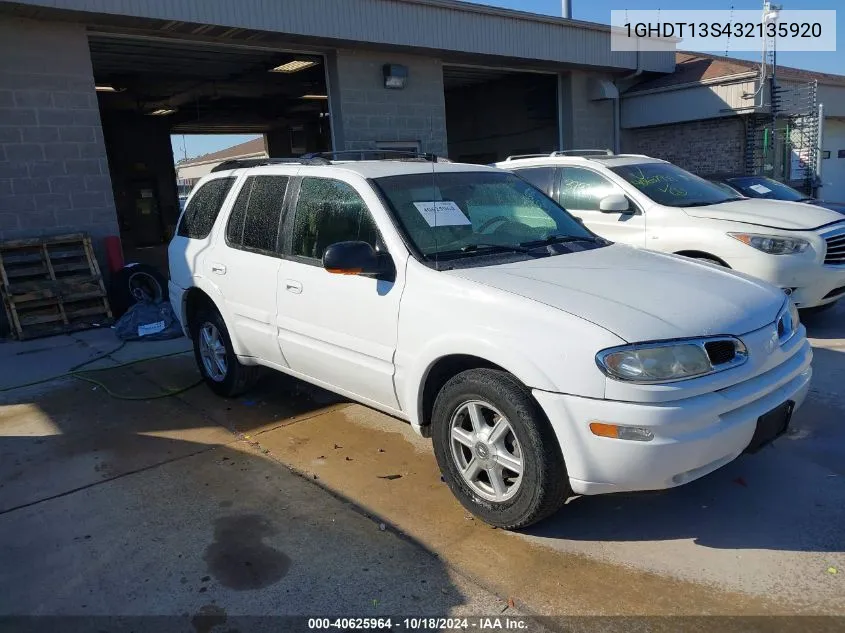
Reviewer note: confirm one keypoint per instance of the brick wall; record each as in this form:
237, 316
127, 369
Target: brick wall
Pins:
365, 112
54, 174
704, 147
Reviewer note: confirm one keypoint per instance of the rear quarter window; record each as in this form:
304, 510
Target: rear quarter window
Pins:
203, 208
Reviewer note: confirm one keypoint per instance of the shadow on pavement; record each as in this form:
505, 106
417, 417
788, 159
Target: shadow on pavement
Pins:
111, 507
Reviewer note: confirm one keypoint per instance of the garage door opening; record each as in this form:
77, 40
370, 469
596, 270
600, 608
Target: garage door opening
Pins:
150, 88
492, 114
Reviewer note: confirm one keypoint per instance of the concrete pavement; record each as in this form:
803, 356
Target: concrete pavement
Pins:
185, 487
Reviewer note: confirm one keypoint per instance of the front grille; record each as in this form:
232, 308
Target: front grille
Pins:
835, 249
834, 292
720, 352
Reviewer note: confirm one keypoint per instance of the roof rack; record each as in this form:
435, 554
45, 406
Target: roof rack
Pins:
377, 154
566, 152
583, 152
242, 163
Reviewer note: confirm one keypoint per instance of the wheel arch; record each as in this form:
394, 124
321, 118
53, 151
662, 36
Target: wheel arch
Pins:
441, 369
695, 254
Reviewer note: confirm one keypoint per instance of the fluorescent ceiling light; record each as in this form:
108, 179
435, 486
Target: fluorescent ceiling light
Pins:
314, 97
106, 88
162, 112
294, 66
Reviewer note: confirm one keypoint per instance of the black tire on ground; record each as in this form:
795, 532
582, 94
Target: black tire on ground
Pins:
545, 484
131, 283
237, 378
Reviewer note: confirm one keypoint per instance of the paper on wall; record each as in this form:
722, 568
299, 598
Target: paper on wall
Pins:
442, 213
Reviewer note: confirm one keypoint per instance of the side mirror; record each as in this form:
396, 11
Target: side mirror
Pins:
615, 203
357, 258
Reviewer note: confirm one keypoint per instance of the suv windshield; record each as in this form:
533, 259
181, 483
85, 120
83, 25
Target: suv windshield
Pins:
672, 186
477, 212
759, 187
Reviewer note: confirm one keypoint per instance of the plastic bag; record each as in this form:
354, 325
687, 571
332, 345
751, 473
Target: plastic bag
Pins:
148, 321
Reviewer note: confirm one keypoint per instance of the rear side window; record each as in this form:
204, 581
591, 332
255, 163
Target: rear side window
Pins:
540, 177
203, 208
256, 214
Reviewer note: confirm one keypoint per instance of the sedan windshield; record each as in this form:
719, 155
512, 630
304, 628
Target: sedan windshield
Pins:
466, 213
672, 186
759, 187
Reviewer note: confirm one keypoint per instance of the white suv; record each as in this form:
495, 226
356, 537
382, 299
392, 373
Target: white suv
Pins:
542, 360
654, 204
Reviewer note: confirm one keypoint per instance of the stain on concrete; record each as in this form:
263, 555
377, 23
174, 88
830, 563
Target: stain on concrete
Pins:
209, 616
240, 559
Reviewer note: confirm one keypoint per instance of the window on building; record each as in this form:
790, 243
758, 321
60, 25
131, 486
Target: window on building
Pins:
203, 208
329, 211
256, 214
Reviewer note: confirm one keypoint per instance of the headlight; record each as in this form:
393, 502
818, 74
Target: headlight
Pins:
671, 360
772, 244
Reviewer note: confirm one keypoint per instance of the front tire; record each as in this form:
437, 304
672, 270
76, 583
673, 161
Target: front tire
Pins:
216, 359
496, 450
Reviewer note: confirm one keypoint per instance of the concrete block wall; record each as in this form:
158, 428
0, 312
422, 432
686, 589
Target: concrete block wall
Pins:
54, 175
592, 120
704, 147
365, 112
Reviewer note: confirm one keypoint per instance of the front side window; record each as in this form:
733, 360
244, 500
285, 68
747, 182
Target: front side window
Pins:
672, 186
467, 212
582, 189
329, 211
254, 221
201, 212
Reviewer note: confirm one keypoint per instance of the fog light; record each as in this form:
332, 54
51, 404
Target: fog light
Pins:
634, 433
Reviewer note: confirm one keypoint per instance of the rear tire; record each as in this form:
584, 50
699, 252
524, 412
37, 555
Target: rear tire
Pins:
496, 449
216, 359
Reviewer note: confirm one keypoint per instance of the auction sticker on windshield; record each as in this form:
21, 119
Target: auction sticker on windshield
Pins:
760, 188
442, 213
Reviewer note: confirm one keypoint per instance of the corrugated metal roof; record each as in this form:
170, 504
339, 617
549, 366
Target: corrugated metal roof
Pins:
442, 25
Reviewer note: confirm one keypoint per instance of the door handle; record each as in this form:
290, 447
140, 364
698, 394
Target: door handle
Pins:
293, 286
220, 269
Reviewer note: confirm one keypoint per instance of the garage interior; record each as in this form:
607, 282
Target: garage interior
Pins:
149, 88
523, 121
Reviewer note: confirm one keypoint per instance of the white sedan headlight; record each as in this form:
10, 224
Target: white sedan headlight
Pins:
772, 244
671, 360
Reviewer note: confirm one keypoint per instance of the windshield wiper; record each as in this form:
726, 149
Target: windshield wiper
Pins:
501, 248
707, 204
562, 239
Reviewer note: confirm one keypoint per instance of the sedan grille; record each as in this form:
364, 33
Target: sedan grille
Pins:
720, 352
835, 249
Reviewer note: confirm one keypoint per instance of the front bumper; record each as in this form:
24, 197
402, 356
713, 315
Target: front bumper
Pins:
809, 282
692, 436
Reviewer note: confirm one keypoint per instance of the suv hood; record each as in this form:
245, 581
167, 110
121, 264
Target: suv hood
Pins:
777, 214
639, 295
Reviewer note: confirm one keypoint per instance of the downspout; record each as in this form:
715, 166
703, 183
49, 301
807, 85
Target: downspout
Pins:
617, 110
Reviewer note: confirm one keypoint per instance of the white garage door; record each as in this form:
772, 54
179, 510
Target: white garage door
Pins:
833, 168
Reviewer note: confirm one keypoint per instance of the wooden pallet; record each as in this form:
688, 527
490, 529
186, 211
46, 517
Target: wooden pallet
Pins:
52, 285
